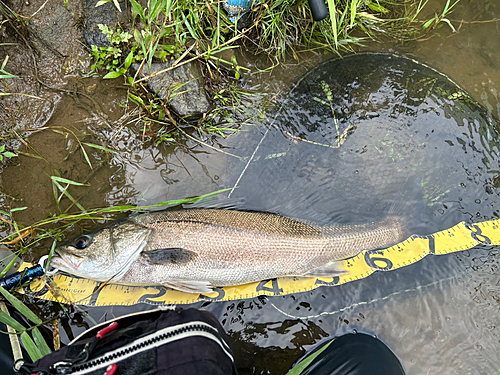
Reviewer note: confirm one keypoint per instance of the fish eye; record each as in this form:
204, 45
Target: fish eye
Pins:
82, 242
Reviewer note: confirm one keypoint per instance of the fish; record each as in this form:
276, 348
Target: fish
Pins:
197, 249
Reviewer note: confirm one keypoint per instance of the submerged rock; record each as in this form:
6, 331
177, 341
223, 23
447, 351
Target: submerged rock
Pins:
182, 87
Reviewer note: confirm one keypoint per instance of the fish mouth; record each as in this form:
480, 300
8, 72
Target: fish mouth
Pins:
63, 262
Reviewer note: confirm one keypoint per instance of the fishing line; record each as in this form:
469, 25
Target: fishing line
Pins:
420, 287
262, 139
248, 162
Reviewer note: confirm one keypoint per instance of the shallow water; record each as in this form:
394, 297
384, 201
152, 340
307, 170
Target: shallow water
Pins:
441, 315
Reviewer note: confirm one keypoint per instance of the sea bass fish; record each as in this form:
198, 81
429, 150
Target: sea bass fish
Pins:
195, 250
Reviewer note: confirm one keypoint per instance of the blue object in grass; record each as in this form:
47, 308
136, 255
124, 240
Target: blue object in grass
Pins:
19, 278
236, 8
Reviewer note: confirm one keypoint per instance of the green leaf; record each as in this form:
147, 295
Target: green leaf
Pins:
443, 20
99, 147
18, 209
8, 75
138, 10
31, 155
21, 307
66, 181
118, 208
115, 74
4, 62
128, 60
2, 148
9, 266
428, 23
86, 157
353, 11
301, 366
101, 2
375, 6
30, 347
154, 9
117, 5
333, 18
136, 99
9, 154
168, 5
190, 28
11, 322
40, 342
138, 37
66, 193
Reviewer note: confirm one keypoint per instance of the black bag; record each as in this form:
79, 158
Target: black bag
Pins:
158, 342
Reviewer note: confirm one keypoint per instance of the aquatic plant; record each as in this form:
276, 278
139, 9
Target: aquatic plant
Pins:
109, 57
6, 154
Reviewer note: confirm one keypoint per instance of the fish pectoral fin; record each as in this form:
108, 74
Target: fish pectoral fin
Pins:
330, 269
170, 255
190, 286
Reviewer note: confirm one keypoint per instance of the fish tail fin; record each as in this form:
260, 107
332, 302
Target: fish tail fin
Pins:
410, 207
330, 269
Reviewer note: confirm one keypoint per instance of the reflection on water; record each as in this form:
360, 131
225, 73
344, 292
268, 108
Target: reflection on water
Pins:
375, 124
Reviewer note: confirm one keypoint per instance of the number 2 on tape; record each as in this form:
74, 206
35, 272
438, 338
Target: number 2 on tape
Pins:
146, 298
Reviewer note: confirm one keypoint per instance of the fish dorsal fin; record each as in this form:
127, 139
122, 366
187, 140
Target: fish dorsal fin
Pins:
170, 255
261, 222
190, 286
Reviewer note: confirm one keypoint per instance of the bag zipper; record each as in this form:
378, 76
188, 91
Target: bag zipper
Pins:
153, 340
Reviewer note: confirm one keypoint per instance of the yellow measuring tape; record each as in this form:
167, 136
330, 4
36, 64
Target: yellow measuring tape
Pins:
67, 289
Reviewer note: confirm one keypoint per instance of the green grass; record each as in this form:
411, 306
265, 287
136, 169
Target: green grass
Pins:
189, 30
170, 29
35, 344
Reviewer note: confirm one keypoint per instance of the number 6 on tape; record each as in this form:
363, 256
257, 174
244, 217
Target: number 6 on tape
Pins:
371, 260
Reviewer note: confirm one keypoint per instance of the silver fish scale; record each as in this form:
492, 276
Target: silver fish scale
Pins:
235, 247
